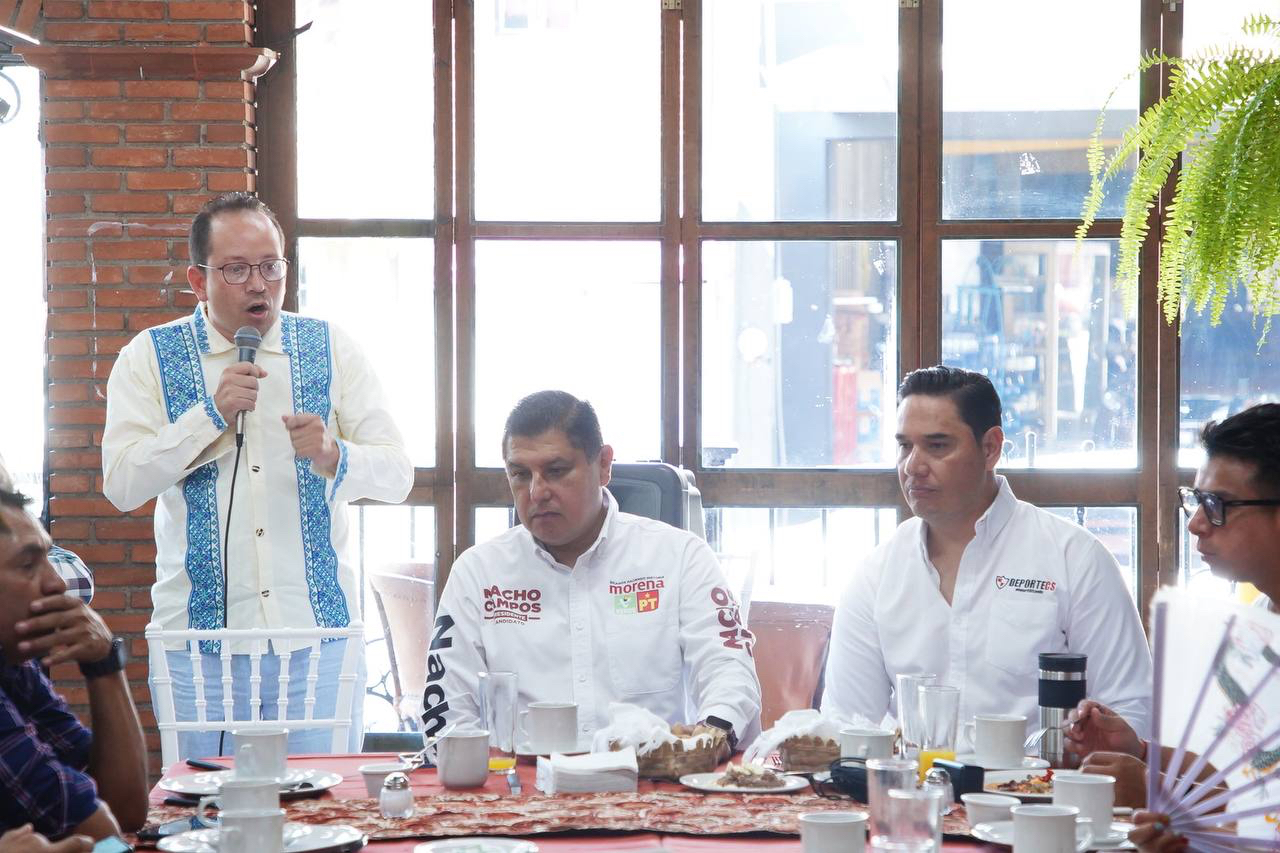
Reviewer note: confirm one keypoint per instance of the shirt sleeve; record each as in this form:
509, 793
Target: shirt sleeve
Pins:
857, 682
716, 645
1104, 624
142, 452
455, 656
372, 461
77, 576
43, 753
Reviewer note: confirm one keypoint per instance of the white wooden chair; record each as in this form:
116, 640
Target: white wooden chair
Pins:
163, 700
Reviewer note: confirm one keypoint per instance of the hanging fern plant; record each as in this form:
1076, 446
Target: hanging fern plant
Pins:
1222, 228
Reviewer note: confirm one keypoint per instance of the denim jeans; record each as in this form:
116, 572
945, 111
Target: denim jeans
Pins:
200, 744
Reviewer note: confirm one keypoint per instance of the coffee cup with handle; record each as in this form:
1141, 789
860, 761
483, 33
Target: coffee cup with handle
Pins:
462, 758
262, 753
997, 739
239, 795
548, 727
1050, 829
252, 831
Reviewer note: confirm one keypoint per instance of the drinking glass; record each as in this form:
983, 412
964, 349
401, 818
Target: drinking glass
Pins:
908, 691
498, 714
914, 822
939, 717
884, 775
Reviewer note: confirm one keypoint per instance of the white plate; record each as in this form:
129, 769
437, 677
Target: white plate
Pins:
1001, 832
708, 782
299, 838
478, 845
297, 783
992, 778
1028, 763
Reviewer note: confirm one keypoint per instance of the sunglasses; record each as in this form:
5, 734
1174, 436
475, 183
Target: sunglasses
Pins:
1215, 508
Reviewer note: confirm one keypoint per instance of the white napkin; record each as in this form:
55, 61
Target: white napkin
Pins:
595, 771
805, 721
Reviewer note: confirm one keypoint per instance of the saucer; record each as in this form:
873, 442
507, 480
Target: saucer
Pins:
299, 838
1028, 763
1001, 832
296, 783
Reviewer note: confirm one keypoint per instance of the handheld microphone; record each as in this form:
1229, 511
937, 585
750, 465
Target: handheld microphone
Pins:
248, 339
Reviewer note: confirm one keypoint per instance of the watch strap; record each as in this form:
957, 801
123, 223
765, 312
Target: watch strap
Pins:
112, 663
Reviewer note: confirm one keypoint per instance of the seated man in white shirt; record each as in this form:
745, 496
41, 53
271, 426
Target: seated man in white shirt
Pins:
585, 603
978, 583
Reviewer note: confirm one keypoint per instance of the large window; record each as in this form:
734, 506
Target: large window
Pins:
734, 226
22, 320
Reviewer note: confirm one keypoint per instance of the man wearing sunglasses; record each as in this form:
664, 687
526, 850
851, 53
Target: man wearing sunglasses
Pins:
273, 552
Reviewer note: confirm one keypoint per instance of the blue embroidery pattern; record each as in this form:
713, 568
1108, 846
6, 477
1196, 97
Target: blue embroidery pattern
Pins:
182, 378
306, 342
341, 473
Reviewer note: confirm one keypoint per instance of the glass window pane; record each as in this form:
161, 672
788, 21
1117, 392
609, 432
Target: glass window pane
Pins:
1117, 527
799, 353
1223, 371
1042, 320
380, 291
567, 110
580, 317
22, 321
365, 148
386, 536
786, 135
804, 555
492, 521
1019, 104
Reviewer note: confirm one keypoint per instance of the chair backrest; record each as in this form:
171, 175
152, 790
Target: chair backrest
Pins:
253, 642
658, 490
405, 597
790, 653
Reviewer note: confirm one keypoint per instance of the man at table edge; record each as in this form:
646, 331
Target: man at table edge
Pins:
1000, 579
587, 603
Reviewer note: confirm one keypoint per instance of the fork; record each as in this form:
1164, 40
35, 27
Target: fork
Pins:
414, 760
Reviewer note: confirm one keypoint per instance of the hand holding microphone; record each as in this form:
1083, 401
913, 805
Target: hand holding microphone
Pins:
237, 390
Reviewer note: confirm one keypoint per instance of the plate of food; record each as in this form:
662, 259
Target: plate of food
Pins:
1028, 787
744, 779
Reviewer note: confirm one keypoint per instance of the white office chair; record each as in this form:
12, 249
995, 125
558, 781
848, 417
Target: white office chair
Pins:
163, 701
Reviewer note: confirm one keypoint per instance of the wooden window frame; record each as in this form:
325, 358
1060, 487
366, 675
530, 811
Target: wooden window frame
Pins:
455, 486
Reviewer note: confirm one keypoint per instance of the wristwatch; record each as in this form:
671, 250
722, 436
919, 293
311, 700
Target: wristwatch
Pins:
112, 663
727, 726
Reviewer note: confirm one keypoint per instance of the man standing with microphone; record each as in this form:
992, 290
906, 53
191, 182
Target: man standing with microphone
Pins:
254, 428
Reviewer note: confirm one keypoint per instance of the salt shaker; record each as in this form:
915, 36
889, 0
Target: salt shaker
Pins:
939, 778
396, 798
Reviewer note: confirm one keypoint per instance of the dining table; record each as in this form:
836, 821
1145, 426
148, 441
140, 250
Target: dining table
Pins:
425, 785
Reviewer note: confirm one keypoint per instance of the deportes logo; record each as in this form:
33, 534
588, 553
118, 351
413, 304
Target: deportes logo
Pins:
1033, 585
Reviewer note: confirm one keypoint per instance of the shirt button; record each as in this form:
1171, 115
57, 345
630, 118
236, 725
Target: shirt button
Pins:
255, 469
266, 592
578, 627
259, 531
582, 678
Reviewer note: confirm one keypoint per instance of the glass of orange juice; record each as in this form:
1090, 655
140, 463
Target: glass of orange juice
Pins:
939, 719
498, 693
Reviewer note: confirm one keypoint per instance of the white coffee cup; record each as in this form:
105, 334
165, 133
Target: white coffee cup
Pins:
998, 739
1094, 794
548, 727
833, 832
866, 743
252, 831
1049, 829
462, 758
262, 754
238, 795
988, 808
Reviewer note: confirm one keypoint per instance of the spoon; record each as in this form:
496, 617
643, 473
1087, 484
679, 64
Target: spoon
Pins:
414, 760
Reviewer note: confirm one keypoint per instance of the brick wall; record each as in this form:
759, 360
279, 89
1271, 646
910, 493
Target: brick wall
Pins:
127, 163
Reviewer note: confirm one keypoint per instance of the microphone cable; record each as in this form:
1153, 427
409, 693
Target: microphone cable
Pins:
226, 544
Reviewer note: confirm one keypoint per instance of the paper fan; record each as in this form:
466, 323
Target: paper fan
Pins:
1216, 696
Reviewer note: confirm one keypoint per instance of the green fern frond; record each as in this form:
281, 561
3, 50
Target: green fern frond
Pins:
1222, 227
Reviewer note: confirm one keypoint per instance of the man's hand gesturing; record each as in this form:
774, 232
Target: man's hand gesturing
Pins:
62, 628
311, 440
238, 389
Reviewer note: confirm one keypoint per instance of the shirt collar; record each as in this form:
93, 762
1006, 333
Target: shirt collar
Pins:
606, 529
211, 341
991, 522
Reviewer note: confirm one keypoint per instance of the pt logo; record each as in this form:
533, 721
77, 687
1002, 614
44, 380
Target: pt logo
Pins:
647, 600
1001, 580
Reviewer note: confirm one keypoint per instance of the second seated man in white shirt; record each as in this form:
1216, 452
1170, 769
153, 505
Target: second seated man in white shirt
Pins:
585, 603
979, 583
